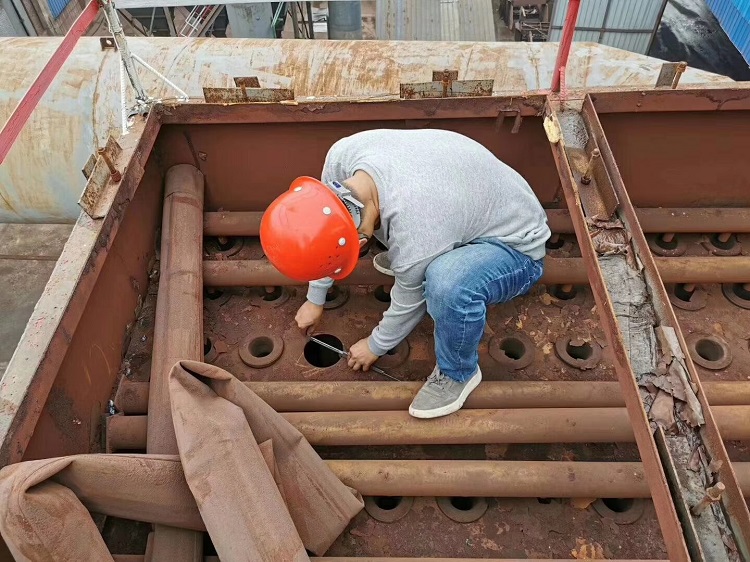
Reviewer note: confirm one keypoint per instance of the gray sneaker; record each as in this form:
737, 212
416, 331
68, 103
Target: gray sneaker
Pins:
441, 395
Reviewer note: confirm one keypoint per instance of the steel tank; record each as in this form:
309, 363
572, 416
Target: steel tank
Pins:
41, 179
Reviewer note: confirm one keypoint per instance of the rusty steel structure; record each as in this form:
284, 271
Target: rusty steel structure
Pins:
622, 379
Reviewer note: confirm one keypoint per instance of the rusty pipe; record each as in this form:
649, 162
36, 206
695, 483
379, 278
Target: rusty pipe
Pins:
652, 220
326, 396
141, 558
466, 427
178, 329
178, 324
557, 271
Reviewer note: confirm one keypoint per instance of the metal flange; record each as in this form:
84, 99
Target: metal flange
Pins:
261, 351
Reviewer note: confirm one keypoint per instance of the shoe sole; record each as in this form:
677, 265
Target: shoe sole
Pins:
448, 408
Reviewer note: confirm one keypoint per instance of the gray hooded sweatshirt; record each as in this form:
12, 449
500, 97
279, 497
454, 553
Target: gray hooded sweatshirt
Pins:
438, 190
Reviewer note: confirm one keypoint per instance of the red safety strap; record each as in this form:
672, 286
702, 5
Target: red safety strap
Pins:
31, 98
569, 28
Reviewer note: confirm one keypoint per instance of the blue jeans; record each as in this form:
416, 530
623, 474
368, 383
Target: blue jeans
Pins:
459, 285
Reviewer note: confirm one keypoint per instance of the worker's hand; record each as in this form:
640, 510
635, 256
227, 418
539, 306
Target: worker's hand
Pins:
308, 317
360, 356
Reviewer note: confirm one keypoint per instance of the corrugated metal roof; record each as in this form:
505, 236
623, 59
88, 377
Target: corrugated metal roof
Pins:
435, 20
625, 24
57, 6
734, 17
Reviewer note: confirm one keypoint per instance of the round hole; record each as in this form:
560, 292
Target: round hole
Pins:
224, 243
514, 351
387, 503
682, 293
463, 504
261, 347
709, 350
619, 505
623, 511
687, 296
737, 293
463, 510
388, 509
513, 348
667, 245
214, 294
583, 351
272, 295
333, 293
578, 352
260, 351
209, 350
563, 292
319, 356
555, 242
381, 294
739, 290
728, 245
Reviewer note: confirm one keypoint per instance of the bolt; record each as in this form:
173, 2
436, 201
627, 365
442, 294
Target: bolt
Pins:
270, 289
712, 495
689, 287
586, 178
223, 240
667, 237
724, 237
566, 289
554, 239
116, 175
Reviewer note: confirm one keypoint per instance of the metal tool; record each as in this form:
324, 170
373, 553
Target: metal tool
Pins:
344, 353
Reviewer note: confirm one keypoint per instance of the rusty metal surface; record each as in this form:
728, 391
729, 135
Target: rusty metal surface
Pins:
247, 95
446, 89
651, 220
56, 347
668, 519
97, 179
466, 427
258, 273
237, 313
72, 128
324, 396
707, 435
669, 75
178, 330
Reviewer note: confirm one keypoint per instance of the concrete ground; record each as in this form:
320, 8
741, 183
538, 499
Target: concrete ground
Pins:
28, 253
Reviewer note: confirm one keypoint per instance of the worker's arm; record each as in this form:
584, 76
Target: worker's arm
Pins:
407, 309
317, 290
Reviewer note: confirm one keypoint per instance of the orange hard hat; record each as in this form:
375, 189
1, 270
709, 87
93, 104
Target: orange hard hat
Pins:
307, 233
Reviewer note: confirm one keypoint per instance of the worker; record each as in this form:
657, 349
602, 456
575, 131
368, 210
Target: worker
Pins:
463, 231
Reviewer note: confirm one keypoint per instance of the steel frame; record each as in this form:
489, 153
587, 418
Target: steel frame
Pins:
33, 373
603, 197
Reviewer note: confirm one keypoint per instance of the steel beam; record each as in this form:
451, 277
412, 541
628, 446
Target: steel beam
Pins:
466, 427
557, 271
643, 332
325, 396
652, 220
666, 512
687, 480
